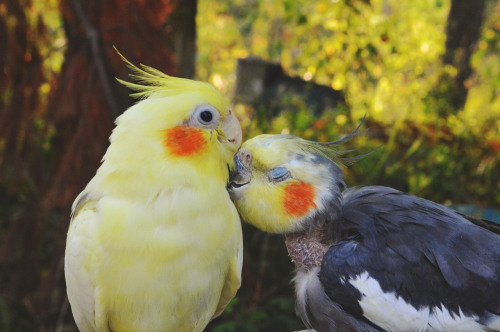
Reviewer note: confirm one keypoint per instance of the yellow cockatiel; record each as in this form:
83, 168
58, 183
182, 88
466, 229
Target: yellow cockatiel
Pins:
155, 243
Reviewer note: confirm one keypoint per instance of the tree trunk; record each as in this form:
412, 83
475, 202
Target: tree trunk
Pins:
462, 33
182, 27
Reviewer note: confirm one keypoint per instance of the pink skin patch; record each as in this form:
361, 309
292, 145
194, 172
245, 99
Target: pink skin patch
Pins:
184, 141
299, 199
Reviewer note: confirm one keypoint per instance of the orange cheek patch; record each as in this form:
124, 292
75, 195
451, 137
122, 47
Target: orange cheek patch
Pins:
299, 199
184, 141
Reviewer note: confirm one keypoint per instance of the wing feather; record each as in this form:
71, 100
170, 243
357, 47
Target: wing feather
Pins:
78, 280
420, 254
233, 279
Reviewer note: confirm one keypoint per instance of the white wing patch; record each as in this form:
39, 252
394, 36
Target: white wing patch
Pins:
442, 320
385, 309
494, 322
393, 313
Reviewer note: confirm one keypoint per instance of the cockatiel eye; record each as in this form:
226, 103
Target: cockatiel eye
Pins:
205, 116
279, 174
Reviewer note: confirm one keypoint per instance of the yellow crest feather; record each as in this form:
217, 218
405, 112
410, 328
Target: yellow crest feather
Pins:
150, 80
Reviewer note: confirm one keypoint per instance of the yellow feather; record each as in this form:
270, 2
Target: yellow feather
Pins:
150, 80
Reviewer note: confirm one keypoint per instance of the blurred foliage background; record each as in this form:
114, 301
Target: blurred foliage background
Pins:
426, 74
387, 58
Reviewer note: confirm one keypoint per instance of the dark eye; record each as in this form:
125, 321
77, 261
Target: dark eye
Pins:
279, 174
206, 116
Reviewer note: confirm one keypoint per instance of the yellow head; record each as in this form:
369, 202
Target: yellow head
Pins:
283, 182
179, 130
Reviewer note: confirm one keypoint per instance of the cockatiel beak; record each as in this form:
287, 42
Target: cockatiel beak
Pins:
241, 176
232, 129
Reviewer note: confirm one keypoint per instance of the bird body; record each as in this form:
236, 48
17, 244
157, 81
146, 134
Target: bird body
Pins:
143, 268
411, 264
369, 258
155, 242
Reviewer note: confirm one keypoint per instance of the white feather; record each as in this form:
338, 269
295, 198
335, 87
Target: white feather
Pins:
494, 323
393, 313
442, 320
304, 280
387, 310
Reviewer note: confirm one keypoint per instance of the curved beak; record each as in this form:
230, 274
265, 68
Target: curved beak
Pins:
231, 127
239, 178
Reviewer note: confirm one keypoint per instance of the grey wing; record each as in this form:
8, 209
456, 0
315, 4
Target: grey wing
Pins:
400, 251
484, 223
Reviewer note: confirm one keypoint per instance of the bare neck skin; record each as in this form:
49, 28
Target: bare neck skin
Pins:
307, 248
